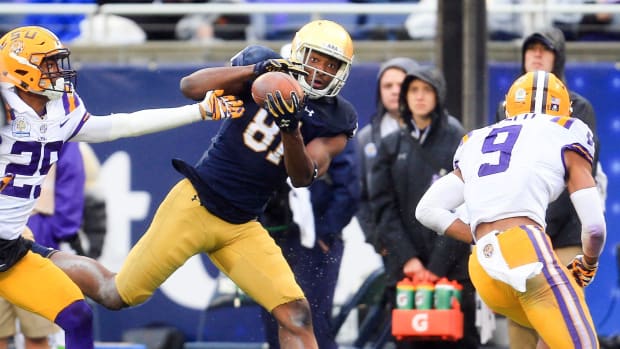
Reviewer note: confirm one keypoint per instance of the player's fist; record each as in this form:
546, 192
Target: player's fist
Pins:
582, 271
216, 106
285, 112
279, 64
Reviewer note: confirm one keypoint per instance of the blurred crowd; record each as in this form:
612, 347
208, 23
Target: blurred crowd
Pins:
132, 29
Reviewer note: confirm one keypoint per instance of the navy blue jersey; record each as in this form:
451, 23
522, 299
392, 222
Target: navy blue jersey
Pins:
244, 164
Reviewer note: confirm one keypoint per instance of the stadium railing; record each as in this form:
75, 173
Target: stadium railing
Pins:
534, 15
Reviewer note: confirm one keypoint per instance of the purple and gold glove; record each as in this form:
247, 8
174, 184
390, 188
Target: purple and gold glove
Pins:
216, 106
582, 271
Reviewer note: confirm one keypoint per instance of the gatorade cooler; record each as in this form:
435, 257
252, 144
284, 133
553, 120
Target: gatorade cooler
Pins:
428, 324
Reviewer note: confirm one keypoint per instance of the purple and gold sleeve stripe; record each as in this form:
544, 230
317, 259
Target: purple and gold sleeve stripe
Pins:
465, 138
563, 121
70, 101
85, 118
573, 310
579, 149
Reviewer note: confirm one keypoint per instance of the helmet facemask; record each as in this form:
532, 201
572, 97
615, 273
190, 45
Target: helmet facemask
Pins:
329, 39
337, 80
58, 77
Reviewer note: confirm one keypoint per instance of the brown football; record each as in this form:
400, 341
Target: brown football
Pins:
275, 81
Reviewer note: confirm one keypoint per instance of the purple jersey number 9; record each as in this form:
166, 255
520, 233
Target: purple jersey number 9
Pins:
504, 148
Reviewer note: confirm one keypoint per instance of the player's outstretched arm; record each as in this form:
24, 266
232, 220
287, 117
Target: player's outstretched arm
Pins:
230, 79
214, 106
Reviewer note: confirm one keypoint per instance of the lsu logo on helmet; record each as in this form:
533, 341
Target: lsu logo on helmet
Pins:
23, 52
328, 38
538, 92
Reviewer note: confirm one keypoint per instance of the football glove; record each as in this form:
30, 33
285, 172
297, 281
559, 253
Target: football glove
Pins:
279, 64
582, 271
216, 106
6, 180
285, 114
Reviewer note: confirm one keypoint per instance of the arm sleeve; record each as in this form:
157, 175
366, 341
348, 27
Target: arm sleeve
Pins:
122, 125
593, 228
436, 209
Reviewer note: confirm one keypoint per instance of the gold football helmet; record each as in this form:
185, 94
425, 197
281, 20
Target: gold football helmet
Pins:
33, 59
538, 92
328, 38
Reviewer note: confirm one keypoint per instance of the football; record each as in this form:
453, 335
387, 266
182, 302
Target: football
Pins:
275, 81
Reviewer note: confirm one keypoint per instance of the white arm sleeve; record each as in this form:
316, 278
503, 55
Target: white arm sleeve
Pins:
587, 203
122, 125
436, 208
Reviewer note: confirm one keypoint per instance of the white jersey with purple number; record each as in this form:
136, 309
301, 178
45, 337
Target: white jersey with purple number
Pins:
29, 146
520, 158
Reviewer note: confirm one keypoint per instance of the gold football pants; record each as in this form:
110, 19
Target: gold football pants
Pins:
554, 305
181, 228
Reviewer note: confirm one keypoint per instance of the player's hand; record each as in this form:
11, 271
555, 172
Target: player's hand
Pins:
582, 271
281, 65
216, 106
286, 114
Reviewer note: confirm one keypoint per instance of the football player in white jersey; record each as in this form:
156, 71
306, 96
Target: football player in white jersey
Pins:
43, 111
506, 174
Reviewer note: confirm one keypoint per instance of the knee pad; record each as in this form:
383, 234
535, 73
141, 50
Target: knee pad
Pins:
77, 316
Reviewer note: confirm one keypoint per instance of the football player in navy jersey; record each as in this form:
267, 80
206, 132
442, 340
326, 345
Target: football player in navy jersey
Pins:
214, 209
249, 159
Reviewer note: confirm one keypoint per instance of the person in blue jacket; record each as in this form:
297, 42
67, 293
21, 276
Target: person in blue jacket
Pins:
334, 199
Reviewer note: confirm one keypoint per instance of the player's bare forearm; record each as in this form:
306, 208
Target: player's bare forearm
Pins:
299, 165
322, 150
460, 231
231, 79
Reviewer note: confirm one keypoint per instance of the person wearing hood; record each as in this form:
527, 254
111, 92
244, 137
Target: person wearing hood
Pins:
545, 50
383, 121
408, 162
